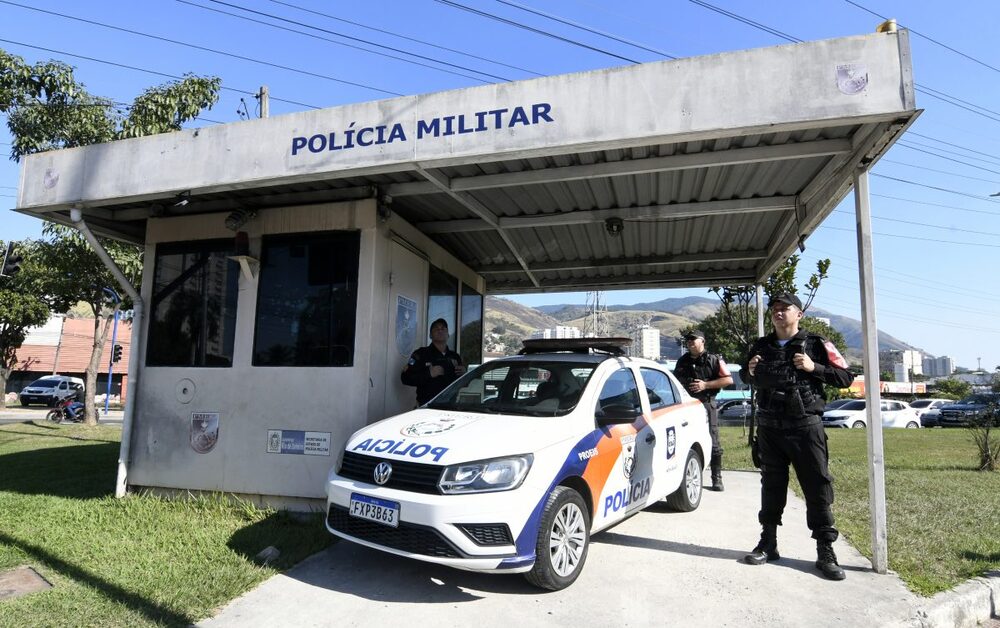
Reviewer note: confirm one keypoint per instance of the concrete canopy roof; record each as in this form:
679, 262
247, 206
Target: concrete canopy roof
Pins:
700, 171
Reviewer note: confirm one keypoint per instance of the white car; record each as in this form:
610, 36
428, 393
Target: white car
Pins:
929, 410
512, 467
853, 414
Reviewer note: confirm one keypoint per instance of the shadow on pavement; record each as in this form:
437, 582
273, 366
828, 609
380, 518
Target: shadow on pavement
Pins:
80, 472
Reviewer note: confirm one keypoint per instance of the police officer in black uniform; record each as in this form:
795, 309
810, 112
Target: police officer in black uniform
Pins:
789, 368
703, 374
433, 367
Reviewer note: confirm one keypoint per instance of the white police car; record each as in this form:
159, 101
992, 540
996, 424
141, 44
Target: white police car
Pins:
512, 467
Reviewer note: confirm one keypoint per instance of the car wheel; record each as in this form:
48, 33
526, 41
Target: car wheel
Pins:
54, 416
24, 404
858, 425
563, 539
687, 497
912, 424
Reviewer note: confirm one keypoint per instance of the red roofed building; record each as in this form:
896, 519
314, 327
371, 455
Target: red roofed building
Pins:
63, 346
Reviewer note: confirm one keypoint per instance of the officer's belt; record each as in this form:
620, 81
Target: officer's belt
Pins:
805, 421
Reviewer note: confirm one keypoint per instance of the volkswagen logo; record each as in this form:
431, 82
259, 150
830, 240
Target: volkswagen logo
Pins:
382, 472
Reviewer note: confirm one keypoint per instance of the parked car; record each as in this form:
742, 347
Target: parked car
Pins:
734, 412
962, 413
853, 414
514, 465
929, 410
50, 390
837, 403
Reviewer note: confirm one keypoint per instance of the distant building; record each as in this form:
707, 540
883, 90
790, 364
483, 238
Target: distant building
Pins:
646, 343
907, 359
560, 331
939, 367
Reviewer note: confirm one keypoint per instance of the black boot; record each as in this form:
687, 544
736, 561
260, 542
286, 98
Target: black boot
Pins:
767, 548
716, 464
826, 561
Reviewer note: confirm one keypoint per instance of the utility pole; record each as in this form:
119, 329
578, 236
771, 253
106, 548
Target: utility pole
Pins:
114, 338
264, 101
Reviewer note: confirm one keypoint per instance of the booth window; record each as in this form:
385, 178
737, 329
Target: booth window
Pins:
471, 337
307, 299
193, 320
442, 300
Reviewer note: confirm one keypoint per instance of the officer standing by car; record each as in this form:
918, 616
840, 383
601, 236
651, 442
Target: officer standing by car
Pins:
703, 374
433, 367
789, 368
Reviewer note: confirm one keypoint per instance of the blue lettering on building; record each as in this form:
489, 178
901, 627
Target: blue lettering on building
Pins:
442, 126
400, 448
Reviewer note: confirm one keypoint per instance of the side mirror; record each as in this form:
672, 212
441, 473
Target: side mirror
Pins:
616, 414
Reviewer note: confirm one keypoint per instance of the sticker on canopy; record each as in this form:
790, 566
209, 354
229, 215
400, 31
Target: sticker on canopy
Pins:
852, 78
406, 325
429, 428
204, 431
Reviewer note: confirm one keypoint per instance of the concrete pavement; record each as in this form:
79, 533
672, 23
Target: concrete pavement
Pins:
657, 568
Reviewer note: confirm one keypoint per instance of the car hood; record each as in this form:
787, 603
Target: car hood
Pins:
964, 406
442, 437
838, 414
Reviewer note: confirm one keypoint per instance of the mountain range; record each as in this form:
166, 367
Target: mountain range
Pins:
668, 315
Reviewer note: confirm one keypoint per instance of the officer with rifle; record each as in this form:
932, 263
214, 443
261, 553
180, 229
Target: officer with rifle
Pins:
789, 368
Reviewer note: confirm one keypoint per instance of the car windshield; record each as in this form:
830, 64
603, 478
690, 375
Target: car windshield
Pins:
853, 405
533, 388
921, 403
46, 383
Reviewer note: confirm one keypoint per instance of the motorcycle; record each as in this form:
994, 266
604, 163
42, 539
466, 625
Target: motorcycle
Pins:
69, 409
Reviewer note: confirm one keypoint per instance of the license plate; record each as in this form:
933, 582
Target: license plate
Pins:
374, 509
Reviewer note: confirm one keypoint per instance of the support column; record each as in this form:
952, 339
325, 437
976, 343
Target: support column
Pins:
873, 395
760, 310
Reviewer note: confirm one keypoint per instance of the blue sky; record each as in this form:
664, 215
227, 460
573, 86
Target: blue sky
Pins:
936, 225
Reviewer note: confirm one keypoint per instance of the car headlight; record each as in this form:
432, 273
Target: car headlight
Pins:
485, 476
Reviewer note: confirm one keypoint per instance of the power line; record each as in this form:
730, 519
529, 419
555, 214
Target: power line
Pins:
930, 39
147, 71
340, 43
961, 209
953, 174
205, 49
413, 39
583, 27
951, 159
893, 235
990, 160
537, 31
921, 89
934, 139
932, 187
906, 296
922, 224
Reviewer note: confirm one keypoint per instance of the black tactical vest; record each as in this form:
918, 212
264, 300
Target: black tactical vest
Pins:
783, 389
705, 367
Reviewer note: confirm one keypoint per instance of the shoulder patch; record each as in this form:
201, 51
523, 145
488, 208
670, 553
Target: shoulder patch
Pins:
833, 355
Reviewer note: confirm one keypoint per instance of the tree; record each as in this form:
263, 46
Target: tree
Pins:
953, 388
20, 309
46, 109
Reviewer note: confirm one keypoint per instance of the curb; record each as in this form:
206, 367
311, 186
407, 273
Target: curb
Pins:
969, 604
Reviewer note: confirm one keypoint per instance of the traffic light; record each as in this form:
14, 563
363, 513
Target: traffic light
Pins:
11, 261
116, 353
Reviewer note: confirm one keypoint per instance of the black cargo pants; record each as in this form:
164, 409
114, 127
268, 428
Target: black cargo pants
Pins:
803, 445
713, 429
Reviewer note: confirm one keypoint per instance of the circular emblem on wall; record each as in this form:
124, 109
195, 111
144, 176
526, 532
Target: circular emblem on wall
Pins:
427, 428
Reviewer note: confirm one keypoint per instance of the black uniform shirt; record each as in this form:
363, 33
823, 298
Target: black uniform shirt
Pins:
418, 371
706, 367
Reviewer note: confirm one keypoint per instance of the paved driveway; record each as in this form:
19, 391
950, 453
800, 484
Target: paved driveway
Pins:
658, 568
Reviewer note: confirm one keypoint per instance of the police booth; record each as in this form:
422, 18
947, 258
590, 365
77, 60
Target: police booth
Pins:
293, 263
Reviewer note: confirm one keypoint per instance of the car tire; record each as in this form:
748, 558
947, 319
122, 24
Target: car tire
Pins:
687, 497
24, 404
563, 540
54, 415
912, 425
858, 425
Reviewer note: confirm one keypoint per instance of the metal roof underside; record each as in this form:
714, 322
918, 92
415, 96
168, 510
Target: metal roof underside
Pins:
718, 206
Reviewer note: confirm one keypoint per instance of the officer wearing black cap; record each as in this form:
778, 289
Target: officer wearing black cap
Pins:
703, 374
789, 368
433, 367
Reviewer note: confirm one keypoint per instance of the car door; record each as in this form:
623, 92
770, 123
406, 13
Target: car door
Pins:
626, 487
672, 439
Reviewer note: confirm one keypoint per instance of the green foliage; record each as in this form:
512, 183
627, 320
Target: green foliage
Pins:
953, 388
20, 308
47, 108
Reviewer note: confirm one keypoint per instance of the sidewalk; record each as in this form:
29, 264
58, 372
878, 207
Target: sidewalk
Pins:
657, 568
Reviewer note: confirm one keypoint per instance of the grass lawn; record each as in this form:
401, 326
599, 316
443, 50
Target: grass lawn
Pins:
140, 561
943, 516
